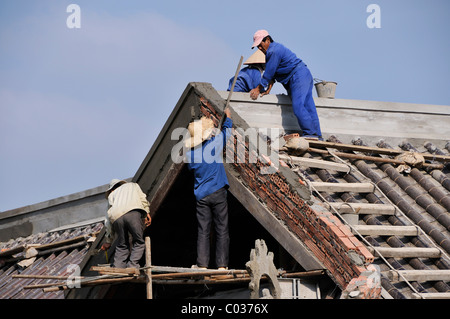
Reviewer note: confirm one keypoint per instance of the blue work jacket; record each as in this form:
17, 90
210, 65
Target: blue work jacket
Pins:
206, 162
280, 64
248, 78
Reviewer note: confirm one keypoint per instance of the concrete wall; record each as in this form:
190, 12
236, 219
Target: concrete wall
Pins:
350, 119
76, 208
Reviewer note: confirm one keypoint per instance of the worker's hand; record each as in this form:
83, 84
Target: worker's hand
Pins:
255, 93
105, 246
227, 112
148, 220
268, 88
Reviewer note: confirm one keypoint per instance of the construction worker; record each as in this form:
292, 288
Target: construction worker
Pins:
128, 214
284, 66
250, 76
204, 159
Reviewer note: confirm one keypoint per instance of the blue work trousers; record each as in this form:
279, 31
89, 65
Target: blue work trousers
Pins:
299, 89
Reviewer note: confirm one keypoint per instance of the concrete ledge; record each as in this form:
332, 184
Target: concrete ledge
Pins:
352, 119
53, 214
52, 202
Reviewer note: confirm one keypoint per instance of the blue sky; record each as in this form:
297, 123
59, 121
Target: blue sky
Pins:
79, 107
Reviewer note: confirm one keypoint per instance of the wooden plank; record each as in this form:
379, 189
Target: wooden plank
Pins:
382, 230
363, 208
351, 147
373, 150
315, 163
371, 158
111, 270
434, 295
343, 187
419, 275
208, 272
406, 252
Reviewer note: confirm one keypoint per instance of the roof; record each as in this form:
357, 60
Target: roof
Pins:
55, 253
287, 204
419, 199
298, 199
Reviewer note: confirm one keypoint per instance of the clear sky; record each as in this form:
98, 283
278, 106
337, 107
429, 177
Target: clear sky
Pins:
80, 106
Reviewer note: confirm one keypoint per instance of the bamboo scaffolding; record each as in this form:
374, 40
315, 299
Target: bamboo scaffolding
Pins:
177, 276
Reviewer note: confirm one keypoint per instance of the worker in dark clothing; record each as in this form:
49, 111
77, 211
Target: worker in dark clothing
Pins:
250, 76
204, 159
284, 66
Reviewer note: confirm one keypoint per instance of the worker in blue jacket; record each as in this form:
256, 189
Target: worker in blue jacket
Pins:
250, 76
205, 159
285, 67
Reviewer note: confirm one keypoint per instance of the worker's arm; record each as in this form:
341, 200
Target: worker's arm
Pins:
268, 88
146, 207
272, 62
108, 235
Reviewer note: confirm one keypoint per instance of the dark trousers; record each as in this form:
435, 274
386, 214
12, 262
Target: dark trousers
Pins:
213, 207
129, 224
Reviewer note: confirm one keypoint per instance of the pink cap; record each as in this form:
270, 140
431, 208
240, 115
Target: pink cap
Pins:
258, 36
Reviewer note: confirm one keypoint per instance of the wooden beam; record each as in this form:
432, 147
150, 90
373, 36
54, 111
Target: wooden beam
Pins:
406, 252
165, 185
343, 187
376, 150
382, 230
371, 158
363, 208
315, 163
430, 295
419, 275
112, 270
46, 277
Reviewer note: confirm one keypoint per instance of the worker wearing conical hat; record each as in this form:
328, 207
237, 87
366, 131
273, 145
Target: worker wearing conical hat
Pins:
284, 66
250, 76
205, 159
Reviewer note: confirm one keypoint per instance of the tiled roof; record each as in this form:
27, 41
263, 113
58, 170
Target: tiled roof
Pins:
309, 208
305, 222
57, 253
419, 199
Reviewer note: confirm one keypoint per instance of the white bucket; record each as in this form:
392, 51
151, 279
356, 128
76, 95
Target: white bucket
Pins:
325, 89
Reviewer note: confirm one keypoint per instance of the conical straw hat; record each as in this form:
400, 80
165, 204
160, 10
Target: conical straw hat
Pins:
257, 57
200, 131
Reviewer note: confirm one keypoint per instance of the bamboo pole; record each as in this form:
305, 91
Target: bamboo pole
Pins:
374, 150
371, 158
148, 271
93, 283
47, 277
